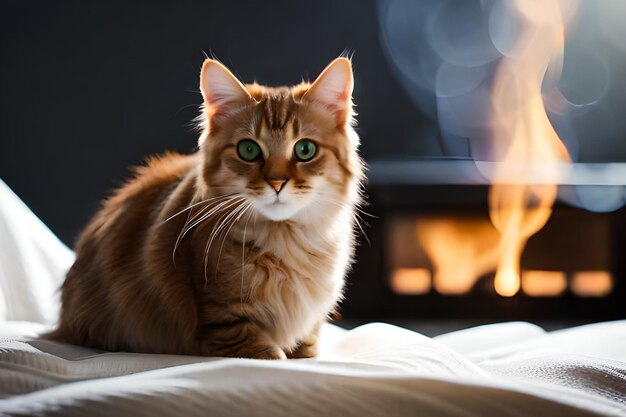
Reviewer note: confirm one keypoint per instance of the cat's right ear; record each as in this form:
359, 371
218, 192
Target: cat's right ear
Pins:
220, 89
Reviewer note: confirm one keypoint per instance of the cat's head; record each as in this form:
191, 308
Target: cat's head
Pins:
288, 152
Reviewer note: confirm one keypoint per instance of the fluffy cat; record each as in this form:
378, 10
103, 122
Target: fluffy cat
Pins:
237, 250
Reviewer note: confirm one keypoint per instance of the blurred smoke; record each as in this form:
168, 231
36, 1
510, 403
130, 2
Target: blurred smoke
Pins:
445, 52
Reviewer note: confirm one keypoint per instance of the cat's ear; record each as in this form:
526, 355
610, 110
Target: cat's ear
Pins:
220, 89
333, 89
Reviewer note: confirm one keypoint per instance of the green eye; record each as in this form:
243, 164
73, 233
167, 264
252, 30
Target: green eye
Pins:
248, 150
305, 150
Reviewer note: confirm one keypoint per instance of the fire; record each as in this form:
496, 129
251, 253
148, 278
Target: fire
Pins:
544, 283
592, 283
527, 161
411, 281
460, 250
523, 135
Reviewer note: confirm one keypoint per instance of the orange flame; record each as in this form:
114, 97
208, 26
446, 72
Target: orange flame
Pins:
543, 283
460, 250
523, 135
592, 283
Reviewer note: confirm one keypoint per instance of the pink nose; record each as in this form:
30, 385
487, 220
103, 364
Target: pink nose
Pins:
276, 183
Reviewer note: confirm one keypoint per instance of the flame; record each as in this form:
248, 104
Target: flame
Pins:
523, 135
460, 251
538, 283
592, 283
411, 281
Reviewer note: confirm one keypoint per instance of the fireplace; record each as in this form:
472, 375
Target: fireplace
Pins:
433, 253
519, 212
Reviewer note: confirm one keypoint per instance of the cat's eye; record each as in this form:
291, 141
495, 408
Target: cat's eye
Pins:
305, 150
249, 150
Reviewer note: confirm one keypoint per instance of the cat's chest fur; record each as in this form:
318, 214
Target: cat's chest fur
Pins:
293, 277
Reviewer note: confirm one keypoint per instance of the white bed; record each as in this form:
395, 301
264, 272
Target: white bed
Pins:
511, 369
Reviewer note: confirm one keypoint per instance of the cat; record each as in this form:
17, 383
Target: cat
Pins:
237, 250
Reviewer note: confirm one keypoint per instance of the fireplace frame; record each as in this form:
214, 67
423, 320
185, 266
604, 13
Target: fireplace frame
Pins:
369, 295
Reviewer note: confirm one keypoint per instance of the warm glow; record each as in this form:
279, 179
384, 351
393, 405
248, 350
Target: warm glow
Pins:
523, 134
543, 283
412, 281
460, 250
592, 283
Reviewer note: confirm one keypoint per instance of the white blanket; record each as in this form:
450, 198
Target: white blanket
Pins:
511, 369
32, 263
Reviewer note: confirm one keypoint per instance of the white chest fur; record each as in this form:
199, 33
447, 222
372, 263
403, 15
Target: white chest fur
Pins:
298, 272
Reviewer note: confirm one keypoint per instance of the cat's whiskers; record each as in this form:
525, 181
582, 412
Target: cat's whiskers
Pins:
232, 223
192, 206
192, 221
224, 206
200, 217
189, 218
221, 206
223, 222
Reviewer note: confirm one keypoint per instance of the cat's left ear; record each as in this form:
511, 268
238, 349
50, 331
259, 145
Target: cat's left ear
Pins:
333, 88
220, 89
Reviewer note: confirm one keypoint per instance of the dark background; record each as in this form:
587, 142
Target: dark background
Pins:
90, 88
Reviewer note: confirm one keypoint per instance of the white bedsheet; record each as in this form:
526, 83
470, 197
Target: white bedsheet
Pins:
516, 369
32, 263
511, 369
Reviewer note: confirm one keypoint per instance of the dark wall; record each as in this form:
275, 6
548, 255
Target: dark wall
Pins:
88, 88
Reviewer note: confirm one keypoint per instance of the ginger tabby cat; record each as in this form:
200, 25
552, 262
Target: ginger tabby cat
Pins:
238, 250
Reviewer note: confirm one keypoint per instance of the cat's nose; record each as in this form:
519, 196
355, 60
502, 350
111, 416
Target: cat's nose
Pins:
276, 183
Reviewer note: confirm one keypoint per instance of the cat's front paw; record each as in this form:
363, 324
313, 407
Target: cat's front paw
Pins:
258, 352
304, 350
273, 352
